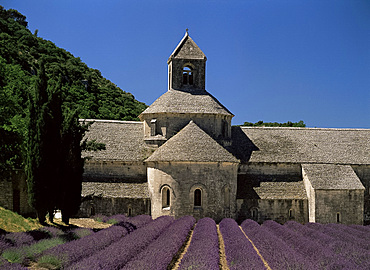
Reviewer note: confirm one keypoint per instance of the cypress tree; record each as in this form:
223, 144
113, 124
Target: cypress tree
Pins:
69, 196
43, 146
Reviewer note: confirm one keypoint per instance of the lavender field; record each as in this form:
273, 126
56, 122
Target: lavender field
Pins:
167, 243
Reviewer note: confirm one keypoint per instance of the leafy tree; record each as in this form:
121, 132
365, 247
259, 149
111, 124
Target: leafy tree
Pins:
275, 124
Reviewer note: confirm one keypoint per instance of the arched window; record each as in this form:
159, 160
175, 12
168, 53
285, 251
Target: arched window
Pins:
226, 197
197, 198
129, 211
338, 217
187, 75
254, 213
166, 197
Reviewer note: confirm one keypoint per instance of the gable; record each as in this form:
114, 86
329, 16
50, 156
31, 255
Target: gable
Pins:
194, 145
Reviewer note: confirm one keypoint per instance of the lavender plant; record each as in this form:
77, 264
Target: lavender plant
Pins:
305, 246
203, 251
275, 251
159, 253
76, 250
119, 253
240, 253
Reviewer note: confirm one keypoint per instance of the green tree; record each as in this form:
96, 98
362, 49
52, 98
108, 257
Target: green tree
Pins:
69, 192
274, 124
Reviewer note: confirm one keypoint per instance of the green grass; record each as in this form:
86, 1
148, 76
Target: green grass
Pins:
50, 262
12, 222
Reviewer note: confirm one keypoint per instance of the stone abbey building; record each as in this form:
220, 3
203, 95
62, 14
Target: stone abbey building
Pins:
185, 158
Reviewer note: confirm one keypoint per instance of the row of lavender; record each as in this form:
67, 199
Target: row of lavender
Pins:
139, 243
70, 245
295, 246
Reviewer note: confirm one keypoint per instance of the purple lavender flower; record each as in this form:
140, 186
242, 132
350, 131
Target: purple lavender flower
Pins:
119, 253
308, 248
240, 253
275, 251
203, 251
158, 255
78, 249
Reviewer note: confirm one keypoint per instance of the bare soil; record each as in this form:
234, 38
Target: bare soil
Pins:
88, 223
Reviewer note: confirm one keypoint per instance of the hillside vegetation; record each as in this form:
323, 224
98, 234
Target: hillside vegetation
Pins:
83, 89
12, 222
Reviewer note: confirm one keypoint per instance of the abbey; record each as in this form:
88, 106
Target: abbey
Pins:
185, 158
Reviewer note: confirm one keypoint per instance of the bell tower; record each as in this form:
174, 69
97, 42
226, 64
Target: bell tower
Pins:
187, 66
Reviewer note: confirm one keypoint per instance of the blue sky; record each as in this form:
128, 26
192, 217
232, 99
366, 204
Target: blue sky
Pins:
267, 60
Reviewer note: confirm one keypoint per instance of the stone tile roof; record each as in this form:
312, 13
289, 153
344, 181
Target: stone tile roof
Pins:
115, 190
123, 140
281, 190
331, 176
192, 144
177, 101
301, 145
187, 49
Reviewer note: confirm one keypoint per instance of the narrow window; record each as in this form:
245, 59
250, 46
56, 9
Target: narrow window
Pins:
129, 211
197, 198
338, 217
92, 211
227, 197
166, 197
187, 76
153, 127
290, 213
254, 213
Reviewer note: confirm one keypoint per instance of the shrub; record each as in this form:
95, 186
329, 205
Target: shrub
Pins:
76, 250
159, 254
203, 251
275, 251
119, 253
239, 251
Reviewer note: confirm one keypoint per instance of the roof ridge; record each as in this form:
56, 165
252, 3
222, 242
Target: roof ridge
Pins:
110, 121
306, 128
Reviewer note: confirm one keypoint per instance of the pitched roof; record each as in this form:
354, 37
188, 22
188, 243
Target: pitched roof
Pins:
123, 140
331, 176
301, 145
187, 49
281, 190
192, 144
177, 101
115, 190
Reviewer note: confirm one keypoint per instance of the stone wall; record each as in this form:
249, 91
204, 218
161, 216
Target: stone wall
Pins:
112, 206
216, 181
168, 124
114, 171
175, 69
280, 210
273, 171
347, 203
14, 193
363, 172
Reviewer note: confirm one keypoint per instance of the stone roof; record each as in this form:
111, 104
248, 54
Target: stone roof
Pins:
123, 140
281, 190
330, 176
301, 145
187, 49
177, 101
194, 145
115, 190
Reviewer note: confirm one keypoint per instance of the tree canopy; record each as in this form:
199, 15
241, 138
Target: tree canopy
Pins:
274, 124
84, 89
